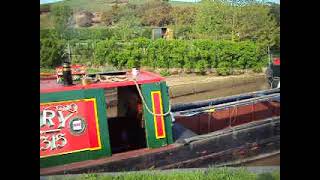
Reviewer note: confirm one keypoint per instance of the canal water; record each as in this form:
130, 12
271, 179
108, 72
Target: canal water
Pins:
188, 92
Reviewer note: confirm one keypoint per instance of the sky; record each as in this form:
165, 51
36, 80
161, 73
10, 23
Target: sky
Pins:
51, 1
48, 1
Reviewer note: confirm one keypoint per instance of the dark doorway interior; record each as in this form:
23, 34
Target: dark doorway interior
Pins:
126, 129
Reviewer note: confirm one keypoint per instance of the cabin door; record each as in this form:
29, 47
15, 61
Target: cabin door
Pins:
158, 128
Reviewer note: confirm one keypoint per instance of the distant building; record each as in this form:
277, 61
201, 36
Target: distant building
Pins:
162, 32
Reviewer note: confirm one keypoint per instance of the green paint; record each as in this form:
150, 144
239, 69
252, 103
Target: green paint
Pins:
103, 126
152, 142
168, 120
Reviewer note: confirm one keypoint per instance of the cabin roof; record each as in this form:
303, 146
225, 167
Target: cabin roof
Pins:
51, 85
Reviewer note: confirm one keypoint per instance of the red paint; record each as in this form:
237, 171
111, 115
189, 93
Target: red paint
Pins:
276, 61
75, 70
48, 86
75, 142
220, 119
159, 119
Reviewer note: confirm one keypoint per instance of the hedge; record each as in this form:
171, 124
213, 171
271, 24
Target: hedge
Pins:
196, 55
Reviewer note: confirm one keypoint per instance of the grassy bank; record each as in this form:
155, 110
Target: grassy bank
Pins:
214, 174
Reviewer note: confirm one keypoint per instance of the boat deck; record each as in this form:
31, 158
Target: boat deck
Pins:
50, 85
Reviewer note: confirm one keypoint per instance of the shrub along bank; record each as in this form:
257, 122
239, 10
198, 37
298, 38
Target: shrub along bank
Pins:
190, 55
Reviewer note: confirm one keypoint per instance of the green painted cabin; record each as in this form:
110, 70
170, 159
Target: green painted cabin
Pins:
121, 120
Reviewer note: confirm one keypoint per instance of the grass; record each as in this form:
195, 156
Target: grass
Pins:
45, 21
47, 70
89, 5
212, 174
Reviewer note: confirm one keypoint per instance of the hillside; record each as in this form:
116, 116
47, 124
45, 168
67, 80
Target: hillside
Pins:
105, 5
95, 7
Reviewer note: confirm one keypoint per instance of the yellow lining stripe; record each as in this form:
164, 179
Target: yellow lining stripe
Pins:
161, 111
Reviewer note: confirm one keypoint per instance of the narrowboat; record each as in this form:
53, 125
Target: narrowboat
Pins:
123, 121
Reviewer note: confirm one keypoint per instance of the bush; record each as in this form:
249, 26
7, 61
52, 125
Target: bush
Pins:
201, 66
165, 73
224, 69
51, 52
197, 55
257, 68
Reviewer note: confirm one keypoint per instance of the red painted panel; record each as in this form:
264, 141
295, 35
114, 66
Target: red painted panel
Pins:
157, 109
276, 61
68, 126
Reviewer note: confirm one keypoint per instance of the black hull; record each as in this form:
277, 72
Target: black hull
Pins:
223, 147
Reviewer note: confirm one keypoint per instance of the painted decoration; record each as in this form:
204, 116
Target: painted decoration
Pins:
75, 70
158, 109
68, 127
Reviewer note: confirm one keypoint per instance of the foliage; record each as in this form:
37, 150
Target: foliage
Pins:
128, 28
62, 17
80, 33
257, 68
155, 13
195, 55
111, 17
201, 66
51, 52
45, 21
213, 20
275, 11
236, 20
225, 35
224, 68
183, 19
165, 73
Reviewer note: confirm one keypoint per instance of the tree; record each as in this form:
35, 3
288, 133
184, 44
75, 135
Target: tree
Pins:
236, 21
183, 19
275, 11
213, 20
128, 28
111, 17
256, 23
155, 13
62, 17
51, 52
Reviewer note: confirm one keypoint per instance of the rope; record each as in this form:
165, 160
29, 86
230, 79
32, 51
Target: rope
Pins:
145, 104
98, 78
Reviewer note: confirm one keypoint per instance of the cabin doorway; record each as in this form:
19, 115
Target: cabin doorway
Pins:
125, 119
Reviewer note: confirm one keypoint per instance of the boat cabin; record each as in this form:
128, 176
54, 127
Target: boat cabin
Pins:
86, 121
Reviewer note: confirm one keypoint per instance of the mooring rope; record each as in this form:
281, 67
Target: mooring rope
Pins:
145, 104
